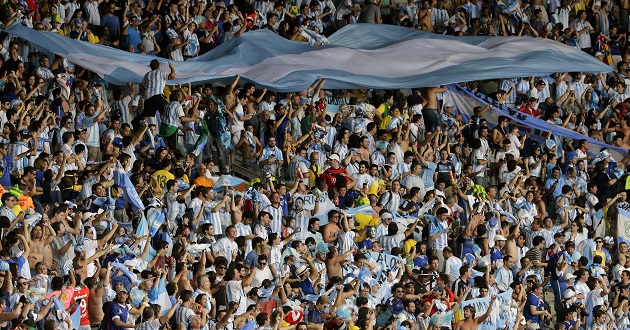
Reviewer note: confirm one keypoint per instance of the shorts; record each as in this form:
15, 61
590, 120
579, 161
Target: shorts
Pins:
94, 154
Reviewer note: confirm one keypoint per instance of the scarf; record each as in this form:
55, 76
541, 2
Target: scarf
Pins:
252, 142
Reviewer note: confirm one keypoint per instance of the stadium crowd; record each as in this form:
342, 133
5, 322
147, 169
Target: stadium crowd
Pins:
393, 210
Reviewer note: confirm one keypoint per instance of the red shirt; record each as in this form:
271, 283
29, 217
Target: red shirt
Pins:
530, 111
83, 294
330, 176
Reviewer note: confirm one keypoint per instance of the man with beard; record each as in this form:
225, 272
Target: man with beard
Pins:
470, 322
40, 244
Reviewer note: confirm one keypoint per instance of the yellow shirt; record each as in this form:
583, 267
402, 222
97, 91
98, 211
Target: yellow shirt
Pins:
162, 176
603, 255
315, 171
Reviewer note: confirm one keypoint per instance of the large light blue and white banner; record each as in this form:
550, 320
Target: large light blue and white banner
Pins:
358, 56
465, 100
502, 314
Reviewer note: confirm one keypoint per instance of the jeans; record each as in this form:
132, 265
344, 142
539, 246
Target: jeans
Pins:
215, 149
431, 119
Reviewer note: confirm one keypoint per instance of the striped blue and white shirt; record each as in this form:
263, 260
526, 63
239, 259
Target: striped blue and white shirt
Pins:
92, 133
346, 242
174, 209
17, 167
276, 218
123, 106
439, 18
173, 112
214, 217
390, 242
584, 39
261, 232
244, 230
505, 86
183, 315
234, 290
442, 240
275, 258
174, 53
154, 82
301, 220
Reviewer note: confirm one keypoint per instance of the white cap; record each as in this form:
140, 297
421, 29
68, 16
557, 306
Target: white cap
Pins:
334, 157
568, 294
499, 238
87, 215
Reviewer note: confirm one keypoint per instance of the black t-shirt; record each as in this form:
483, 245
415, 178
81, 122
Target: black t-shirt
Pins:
603, 188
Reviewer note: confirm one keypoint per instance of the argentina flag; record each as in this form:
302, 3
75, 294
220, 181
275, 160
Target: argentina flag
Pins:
121, 178
357, 56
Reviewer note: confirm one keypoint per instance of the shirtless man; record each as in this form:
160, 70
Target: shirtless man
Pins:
470, 322
425, 15
84, 261
39, 243
510, 248
229, 98
334, 260
250, 145
95, 297
430, 112
331, 230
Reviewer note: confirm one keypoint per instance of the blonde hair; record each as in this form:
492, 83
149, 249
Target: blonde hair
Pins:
260, 248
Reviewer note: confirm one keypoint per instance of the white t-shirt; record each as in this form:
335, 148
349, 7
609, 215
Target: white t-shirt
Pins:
260, 276
234, 290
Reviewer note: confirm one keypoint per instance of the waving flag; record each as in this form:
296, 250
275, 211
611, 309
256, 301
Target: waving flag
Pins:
359, 55
143, 227
155, 218
202, 140
122, 179
75, 317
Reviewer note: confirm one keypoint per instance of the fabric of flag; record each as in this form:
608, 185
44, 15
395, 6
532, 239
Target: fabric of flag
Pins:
202, 140
364, 275
155, 219
121, 178
358, 56
143, 227
162, 297
75, 318
130, 275
363, 209
227, 181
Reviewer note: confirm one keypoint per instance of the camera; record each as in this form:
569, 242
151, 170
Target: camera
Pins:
580, 309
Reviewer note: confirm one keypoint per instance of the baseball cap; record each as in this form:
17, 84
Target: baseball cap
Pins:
334, 157
568, 294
